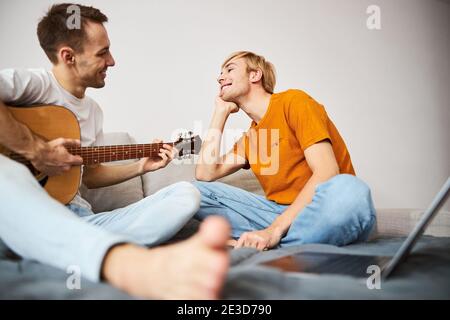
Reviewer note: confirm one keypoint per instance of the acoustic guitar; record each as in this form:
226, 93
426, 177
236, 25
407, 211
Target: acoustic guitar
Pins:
51, 122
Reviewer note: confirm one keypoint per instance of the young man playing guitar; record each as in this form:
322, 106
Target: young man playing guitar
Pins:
104, 245
298, 156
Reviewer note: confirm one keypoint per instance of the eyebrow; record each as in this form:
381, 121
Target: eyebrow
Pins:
103, 49
229, 64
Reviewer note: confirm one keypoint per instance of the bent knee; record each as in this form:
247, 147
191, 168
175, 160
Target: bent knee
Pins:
188, 192
349, 183
350, 198
204, 187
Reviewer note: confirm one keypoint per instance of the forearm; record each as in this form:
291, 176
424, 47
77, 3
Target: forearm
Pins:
16, 136
305, 196
209, 155
102, 176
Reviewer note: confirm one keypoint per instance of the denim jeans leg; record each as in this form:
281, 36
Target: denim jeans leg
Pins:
37, 227
340, 213
244, 210
154, 219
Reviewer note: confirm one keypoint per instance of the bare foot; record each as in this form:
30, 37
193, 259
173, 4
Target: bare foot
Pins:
192, 269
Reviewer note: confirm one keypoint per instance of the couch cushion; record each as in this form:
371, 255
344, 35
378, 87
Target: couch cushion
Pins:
184, 170
175, 171
400, 222
119, 195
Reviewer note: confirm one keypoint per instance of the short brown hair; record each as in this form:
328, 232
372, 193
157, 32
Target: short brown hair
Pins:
52, 30
255, 62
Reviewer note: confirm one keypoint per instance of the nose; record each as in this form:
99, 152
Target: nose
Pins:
220, 79
111, 61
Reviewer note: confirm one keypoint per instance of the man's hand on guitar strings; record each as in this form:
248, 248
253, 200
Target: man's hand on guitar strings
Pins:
52, 158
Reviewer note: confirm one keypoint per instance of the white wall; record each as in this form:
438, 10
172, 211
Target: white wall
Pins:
387, 90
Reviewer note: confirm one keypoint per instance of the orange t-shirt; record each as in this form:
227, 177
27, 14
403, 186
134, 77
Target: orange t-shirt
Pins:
274, 148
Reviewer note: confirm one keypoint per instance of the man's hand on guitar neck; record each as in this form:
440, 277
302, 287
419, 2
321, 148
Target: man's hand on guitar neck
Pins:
166, 154
52, 158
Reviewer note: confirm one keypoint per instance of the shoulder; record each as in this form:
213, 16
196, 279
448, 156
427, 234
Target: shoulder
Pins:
25, 75
293, 101
292, 95
299, 104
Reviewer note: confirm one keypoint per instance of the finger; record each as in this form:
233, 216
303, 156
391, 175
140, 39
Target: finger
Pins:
67, 158
163, 156
74, 143
240, 242
252, 243
232, 243
74, 160
247, 243
168, 153
261, 246
157, 140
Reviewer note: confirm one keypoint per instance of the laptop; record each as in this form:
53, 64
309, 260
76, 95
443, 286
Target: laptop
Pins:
308, 263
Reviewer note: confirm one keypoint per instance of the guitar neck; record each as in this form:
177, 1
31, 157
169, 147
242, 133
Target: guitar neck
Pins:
95, 155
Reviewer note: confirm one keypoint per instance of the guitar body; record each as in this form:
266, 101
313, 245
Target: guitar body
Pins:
52, 122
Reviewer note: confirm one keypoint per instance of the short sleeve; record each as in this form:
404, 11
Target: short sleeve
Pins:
20, 86
308, 120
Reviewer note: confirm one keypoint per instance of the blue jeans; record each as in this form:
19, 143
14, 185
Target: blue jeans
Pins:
340, 213
38, 227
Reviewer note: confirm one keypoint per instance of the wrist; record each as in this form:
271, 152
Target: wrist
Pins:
221, 113
140, 170
34, 150
278, 229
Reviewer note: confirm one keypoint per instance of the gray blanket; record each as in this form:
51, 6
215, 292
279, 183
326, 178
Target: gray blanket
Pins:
424, 275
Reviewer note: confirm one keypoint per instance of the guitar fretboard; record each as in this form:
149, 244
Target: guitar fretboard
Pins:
95, 155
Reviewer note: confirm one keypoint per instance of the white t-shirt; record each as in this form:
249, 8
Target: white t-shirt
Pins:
39, 86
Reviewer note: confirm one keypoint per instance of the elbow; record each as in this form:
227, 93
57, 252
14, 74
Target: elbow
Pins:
328, 173
334, 171
203, 176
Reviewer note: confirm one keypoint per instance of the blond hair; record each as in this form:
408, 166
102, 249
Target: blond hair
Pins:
256, 62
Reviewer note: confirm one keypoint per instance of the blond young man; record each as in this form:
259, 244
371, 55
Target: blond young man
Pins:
311, 192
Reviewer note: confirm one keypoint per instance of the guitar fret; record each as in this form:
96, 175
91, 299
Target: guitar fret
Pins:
100, 154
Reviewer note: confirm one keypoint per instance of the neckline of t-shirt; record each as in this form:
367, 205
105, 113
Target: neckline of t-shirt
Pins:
266, 115
71, 96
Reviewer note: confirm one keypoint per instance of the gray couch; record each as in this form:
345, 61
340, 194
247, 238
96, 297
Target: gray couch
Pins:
390, 222
424, 275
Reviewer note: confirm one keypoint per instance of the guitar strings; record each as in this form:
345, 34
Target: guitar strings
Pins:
101, 152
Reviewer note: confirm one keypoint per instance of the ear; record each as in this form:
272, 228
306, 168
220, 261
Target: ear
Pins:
255, 75
66, 55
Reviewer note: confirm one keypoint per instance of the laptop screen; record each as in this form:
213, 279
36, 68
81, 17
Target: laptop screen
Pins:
419, 229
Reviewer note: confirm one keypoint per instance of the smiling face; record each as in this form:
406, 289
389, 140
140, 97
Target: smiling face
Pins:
234, 80
92, 64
